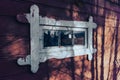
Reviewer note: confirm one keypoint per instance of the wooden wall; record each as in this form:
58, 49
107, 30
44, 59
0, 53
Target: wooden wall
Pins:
15, 39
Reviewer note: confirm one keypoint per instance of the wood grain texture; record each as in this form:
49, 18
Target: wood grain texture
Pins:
103, 66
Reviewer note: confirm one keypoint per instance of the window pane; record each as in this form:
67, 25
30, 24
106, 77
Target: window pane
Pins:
66, 38
79, 37
50, 38
63, 38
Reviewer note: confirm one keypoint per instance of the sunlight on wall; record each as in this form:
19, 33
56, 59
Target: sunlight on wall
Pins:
75, 14
101, 11
59, 69
106, 42
97, 57
16, 47
110, 37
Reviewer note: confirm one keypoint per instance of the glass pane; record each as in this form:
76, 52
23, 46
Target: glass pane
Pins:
66, 38
79, 37
50, 38
63, 38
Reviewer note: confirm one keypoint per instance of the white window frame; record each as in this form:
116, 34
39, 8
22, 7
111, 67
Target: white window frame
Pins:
40, 54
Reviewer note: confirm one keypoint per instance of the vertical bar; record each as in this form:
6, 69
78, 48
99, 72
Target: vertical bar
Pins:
90, 38
35, 41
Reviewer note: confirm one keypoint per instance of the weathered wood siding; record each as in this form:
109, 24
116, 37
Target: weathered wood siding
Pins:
14, 40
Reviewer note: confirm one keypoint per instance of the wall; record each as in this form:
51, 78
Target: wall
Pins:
15, 39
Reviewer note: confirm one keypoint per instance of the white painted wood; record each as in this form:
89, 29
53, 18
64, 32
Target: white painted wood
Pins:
81, 24
39, 54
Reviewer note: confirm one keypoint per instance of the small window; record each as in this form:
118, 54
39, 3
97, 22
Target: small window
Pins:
66, 38
58, 39
54, 38
79, 37
51, 38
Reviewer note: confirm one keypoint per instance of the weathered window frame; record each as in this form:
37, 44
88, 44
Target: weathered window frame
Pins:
39, 54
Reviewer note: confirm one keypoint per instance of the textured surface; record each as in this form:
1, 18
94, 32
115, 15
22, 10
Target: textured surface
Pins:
38, 54
14, 41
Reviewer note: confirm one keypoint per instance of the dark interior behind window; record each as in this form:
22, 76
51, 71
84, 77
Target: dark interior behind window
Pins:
63, 38
79, 38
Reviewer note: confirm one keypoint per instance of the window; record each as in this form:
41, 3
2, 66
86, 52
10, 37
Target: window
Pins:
54, 38
51, 38
79, 37
59, 39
